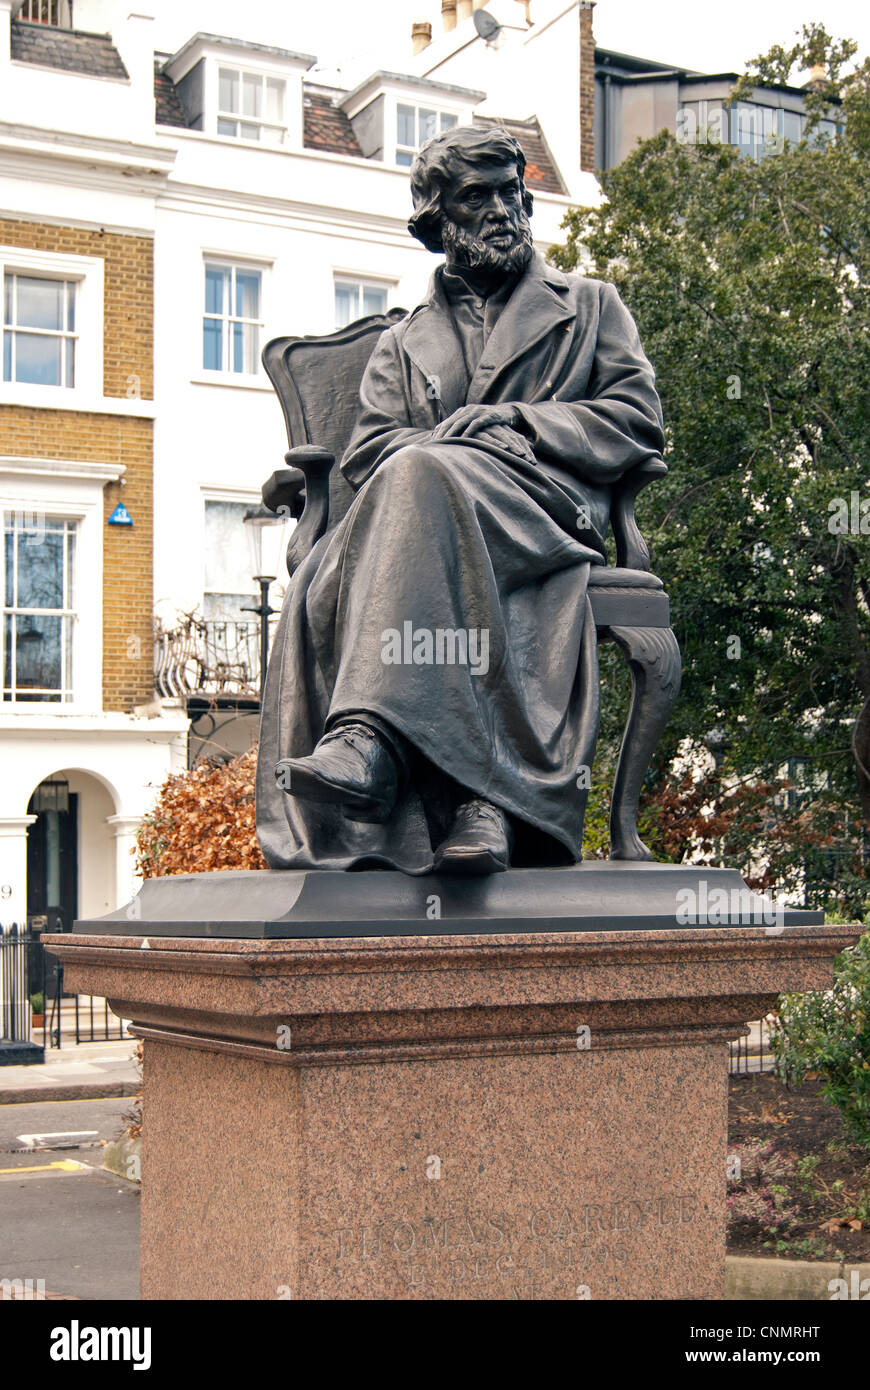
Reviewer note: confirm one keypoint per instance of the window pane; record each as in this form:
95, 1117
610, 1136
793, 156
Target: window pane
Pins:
792, 126
228, 608
252, 95
8, 629
428, 125
69, 598
7, 298
227, 561
69, 351
248, 294
40, 302
404, 158
374, 301
245, 343
405, 130
216, 277
38, 652
212, 345
37, 359
70, 306
345, 305
272, 135
448, 121
7, 356
228, 128
40, 568
8, 563
228, 92
248, 131
274, 99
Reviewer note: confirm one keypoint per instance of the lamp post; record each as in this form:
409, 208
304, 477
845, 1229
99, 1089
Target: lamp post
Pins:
256, 520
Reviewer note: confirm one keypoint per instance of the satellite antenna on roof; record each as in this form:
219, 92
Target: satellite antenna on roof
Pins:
487, 27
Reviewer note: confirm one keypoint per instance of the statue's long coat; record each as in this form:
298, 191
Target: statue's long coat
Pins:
465, 535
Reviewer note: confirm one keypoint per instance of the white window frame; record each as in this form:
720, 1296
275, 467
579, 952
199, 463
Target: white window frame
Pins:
65, 336
224, 374
215, 492
88, 274
69, 491
235, 499
360, 282
262, 124
418, 106
31, 524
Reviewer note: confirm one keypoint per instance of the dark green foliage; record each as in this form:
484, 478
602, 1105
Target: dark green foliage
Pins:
749, 283
830, 1034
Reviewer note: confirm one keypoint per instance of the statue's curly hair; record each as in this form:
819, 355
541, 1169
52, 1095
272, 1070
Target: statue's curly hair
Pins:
442, 159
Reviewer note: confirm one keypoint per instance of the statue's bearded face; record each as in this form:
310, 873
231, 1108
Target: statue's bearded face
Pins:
484, 224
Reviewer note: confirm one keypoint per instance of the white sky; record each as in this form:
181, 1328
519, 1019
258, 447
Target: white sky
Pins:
362, 35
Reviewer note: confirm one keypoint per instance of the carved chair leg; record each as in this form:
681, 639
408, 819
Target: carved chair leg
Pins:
653, 657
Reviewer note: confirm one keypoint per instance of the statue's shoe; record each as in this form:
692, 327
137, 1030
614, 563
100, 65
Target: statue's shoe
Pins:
479, 842
352, 767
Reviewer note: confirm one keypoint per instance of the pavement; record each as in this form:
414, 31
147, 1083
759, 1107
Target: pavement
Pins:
75, 1071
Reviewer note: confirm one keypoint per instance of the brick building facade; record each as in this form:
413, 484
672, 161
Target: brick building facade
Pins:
128, 373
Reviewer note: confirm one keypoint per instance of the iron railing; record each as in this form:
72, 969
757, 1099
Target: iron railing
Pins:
207, 656
25, 973
752, 1053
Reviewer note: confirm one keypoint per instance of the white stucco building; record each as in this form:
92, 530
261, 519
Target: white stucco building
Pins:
171, 198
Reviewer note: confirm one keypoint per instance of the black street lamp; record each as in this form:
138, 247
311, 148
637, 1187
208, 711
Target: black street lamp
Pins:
256, 520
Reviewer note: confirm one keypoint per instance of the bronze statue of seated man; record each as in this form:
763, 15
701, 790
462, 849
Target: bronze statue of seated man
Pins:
432, 697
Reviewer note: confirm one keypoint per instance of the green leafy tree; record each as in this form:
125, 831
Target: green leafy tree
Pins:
749, 283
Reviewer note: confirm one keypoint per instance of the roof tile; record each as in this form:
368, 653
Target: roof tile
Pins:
167, 103
542, 174
66, 49
326, 127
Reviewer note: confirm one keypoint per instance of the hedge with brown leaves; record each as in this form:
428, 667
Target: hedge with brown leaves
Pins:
204, 820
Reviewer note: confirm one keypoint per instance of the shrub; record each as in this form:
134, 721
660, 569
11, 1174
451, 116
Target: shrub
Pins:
204, 820
830, 1034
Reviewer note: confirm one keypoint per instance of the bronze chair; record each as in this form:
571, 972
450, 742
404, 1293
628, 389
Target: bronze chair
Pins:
317, 380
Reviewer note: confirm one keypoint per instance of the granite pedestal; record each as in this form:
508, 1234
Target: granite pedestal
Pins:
524, 1098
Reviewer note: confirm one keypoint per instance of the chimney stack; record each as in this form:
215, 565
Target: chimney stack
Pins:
587, 87
448, 15
818, 77
421, 36
463, 10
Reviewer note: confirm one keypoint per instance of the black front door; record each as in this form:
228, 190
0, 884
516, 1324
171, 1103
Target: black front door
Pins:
52, 873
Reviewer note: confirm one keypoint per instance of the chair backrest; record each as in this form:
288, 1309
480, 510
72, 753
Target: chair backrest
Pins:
317, 380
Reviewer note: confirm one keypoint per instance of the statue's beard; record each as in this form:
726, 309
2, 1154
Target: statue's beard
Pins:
478, 253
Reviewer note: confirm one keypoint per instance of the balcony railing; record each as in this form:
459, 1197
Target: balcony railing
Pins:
57, 13
207, 656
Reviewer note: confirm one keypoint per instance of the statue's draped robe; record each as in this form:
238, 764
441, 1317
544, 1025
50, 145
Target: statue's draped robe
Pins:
464, 535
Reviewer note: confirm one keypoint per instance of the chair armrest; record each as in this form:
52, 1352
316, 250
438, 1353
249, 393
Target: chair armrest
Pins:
302, 488
632, 551
285, 492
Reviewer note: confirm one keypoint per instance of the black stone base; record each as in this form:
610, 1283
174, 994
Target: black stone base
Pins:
20, 1054
601, 895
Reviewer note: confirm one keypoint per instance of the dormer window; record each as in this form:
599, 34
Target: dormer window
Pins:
57, 13
394, 115
417, 124
251, 106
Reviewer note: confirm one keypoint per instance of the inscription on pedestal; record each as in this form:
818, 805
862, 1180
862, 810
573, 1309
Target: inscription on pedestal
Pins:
502, 1255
